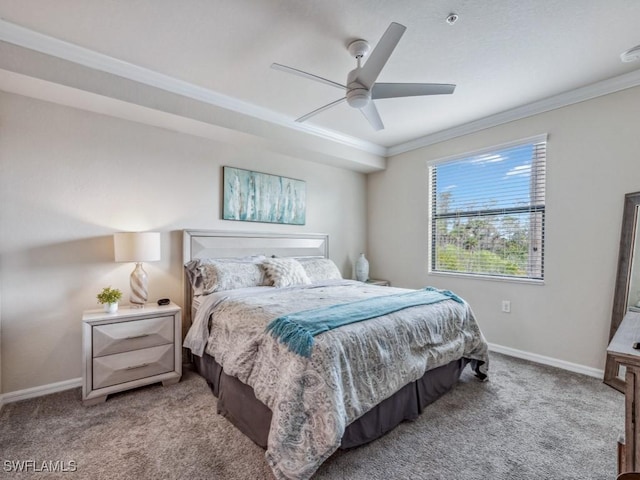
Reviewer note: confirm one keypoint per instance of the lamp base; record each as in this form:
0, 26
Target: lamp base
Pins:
138, 282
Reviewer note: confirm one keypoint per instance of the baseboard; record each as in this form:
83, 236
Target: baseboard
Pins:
554, 362
39, 391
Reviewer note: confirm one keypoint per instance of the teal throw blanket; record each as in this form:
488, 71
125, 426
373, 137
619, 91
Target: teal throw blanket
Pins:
297, 330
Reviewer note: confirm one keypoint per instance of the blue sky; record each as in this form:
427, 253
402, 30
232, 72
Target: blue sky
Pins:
473, 181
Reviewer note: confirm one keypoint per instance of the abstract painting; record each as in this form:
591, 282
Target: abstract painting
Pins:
260, 197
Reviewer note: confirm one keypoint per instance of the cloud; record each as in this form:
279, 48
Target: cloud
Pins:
519, 171
489, 158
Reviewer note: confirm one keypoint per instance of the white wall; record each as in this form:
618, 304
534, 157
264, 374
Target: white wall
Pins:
593, 159
70, 178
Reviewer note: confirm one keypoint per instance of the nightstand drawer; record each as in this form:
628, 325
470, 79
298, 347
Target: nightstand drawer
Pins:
128, 366
133, 335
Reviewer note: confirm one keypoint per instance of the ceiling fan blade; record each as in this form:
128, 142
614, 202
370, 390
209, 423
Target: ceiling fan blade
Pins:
380, 54
393, 90
321, 109
370, 112
311, 76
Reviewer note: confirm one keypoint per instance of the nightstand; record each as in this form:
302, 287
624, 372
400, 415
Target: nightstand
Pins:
382, 283
130, 348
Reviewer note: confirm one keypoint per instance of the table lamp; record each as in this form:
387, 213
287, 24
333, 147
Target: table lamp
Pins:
137, 247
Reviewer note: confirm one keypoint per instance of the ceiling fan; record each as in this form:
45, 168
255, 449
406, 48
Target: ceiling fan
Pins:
361, 88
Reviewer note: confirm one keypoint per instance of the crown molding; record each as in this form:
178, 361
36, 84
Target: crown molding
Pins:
604, 87
24, 37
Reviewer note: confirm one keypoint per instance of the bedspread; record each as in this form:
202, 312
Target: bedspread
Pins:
351, 369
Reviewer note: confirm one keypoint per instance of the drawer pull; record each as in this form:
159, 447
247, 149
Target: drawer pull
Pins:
138, 336
137, 366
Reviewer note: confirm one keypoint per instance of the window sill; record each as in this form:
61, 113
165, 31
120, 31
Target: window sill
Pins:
528, 281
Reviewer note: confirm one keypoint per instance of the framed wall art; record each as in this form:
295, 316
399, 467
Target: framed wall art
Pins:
260, 197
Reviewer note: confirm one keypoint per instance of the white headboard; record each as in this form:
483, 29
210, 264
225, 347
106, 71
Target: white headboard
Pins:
216, 244
224, 244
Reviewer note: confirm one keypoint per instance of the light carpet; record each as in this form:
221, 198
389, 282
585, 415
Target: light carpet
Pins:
528, 421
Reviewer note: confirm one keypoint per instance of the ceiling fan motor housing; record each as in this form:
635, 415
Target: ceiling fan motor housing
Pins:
357, 94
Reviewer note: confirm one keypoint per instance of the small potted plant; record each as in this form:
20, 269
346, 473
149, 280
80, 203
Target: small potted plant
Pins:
109, 298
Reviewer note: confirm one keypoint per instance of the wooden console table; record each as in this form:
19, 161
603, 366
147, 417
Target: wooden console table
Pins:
621, 348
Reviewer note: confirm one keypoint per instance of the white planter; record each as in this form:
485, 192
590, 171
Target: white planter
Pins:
111, 307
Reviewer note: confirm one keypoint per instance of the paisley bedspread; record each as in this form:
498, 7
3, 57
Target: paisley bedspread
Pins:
351, 369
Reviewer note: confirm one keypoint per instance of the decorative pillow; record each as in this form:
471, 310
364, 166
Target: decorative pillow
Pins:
211, 275
285, 272
217, 277
320, 269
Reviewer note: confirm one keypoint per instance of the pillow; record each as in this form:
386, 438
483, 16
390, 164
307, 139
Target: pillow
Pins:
208, 275
285, 272
320, 269
219, 276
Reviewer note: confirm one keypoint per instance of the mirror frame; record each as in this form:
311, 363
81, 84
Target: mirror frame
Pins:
623, 280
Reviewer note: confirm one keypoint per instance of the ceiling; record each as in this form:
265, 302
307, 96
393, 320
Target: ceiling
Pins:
501, 54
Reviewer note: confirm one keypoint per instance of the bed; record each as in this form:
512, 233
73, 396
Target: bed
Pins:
348, 384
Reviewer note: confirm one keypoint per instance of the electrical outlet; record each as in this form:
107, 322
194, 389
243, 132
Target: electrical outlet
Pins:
506, 306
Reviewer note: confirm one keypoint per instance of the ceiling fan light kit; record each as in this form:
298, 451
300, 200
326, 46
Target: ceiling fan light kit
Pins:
358, 97
361, 88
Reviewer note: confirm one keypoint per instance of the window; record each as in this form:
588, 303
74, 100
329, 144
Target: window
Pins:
488, 211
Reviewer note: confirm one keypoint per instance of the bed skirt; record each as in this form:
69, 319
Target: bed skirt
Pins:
237, 403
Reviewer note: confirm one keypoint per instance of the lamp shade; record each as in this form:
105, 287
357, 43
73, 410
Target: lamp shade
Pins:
136, 246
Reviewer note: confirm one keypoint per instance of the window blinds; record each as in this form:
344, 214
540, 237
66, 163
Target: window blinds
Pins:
488, 212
